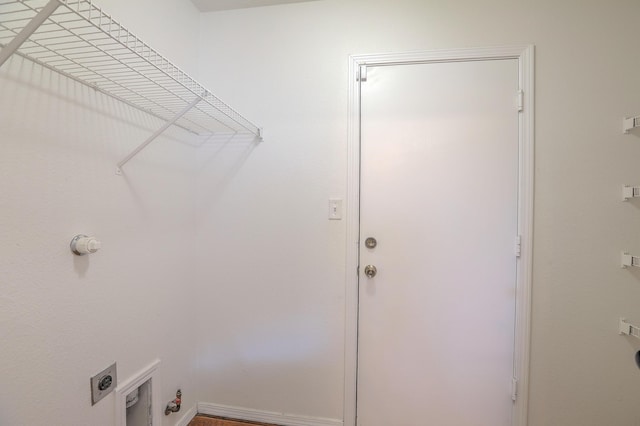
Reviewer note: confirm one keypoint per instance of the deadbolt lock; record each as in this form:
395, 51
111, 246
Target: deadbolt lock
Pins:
370, 243
370, 271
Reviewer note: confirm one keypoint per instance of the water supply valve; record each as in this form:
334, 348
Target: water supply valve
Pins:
82, 244
174, 406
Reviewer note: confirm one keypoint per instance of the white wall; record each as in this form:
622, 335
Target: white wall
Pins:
272, 265
267, 296
64, 318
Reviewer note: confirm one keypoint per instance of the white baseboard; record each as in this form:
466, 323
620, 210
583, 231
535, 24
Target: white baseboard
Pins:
187, 417
283, 419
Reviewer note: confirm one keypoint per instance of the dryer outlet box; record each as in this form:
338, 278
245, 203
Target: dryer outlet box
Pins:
103, 383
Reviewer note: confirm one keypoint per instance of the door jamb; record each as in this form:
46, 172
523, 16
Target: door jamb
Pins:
525, 56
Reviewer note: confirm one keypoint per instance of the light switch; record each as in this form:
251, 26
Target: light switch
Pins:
335, 209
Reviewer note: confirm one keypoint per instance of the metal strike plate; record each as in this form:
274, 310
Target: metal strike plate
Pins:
103, 383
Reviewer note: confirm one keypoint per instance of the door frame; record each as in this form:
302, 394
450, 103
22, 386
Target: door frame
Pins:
525, 56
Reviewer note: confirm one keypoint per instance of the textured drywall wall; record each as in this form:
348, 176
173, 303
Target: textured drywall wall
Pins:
169, 26
213, 5
273, 265
64, 318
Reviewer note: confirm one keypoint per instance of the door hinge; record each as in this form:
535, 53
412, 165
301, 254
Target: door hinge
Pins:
518, 245
514, 389
362, 75
358, 270
520, 100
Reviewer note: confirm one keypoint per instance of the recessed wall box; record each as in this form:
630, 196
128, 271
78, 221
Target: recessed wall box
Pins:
103, 383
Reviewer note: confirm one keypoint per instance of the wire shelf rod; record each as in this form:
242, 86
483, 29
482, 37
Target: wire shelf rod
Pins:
120, 62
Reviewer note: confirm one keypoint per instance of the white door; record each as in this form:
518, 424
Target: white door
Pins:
439, 193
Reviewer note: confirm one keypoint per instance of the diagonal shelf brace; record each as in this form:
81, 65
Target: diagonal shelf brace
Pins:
29, 29
157, 133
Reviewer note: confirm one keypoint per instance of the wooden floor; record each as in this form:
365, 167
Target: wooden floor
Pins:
201, 420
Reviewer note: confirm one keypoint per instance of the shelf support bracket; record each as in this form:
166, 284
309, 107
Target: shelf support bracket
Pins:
628, 329
29, 29
157, 133
629, 260
630, 123
629, 192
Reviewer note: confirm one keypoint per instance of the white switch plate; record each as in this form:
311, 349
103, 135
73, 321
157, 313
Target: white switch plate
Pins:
335, 209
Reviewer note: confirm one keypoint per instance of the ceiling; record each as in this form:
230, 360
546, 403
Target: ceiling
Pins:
212, 5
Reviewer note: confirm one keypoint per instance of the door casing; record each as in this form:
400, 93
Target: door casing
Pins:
525, 57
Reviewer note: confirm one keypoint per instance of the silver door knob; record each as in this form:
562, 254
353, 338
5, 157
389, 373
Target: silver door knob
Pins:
370, 271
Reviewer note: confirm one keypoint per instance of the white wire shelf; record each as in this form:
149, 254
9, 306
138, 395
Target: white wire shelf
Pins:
79, 40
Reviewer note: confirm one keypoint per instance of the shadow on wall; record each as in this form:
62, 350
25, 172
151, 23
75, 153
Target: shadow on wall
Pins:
29, 75
81, 265
220, 157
